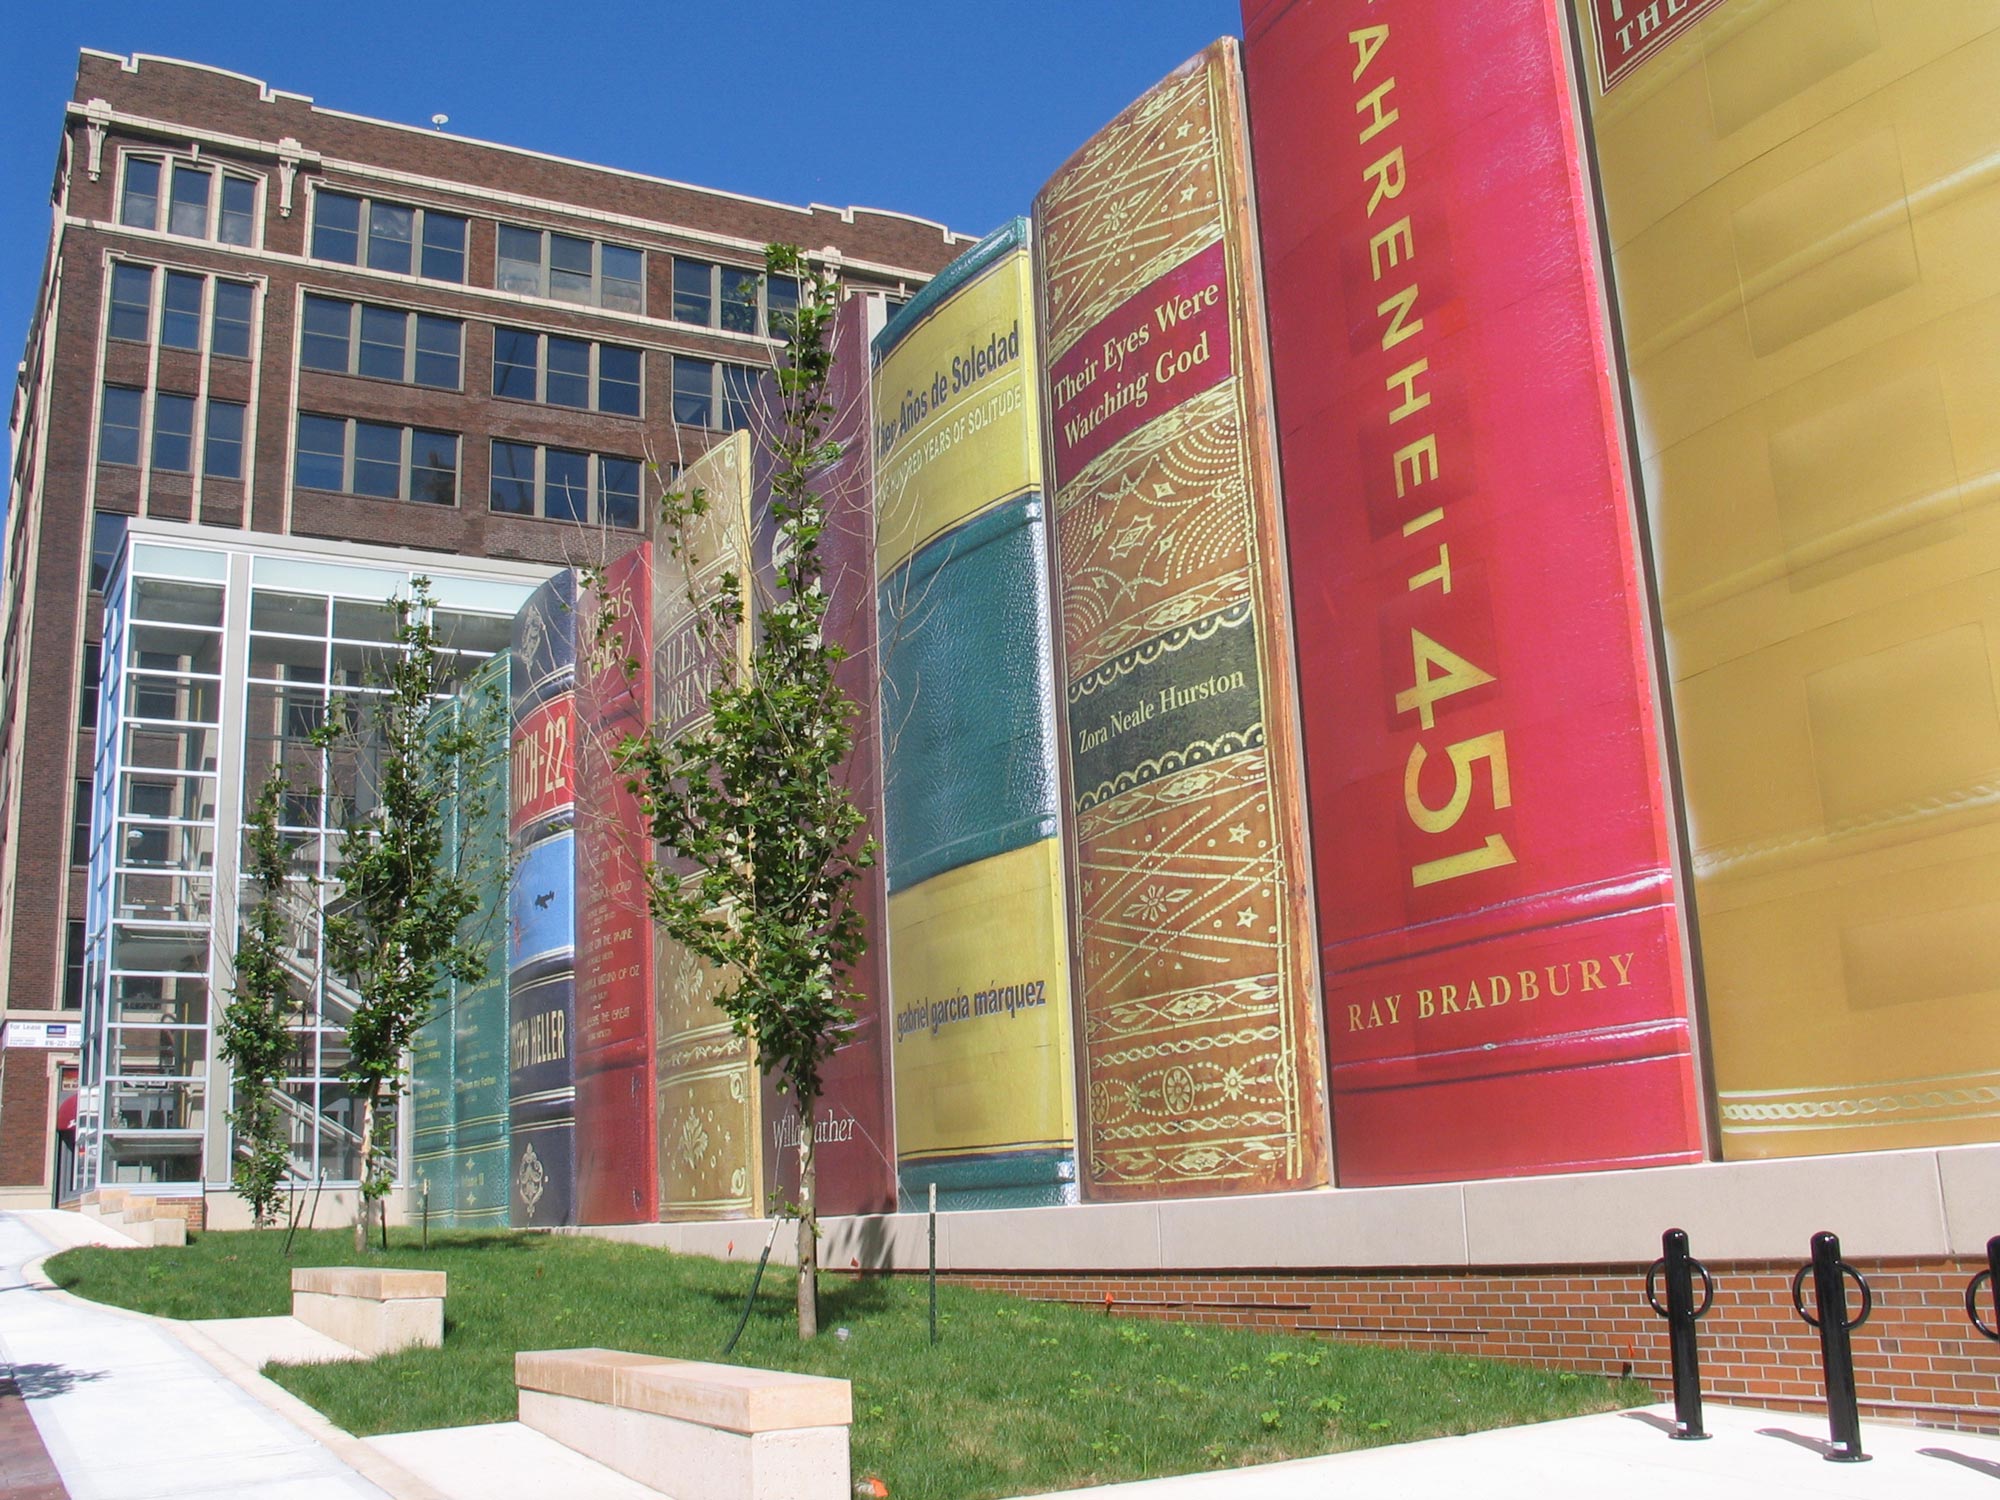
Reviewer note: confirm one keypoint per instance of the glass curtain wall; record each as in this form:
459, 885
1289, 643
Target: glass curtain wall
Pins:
221, 666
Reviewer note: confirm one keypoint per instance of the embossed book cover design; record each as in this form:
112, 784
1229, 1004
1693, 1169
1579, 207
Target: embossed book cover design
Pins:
541, 927
1195, 972
616, 1171
1502, 945
983, 1073
707, 1111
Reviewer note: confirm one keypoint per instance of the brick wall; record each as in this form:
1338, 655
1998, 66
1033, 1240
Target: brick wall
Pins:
1917, 1358
192, 1211
24, 1116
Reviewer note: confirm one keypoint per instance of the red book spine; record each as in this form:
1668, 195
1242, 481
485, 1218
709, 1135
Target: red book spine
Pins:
1501, 937
617, 1171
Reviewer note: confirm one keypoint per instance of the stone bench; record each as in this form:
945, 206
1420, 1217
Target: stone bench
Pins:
376, 1312
690, 1430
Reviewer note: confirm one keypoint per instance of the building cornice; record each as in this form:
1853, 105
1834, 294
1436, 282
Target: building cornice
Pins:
100, 112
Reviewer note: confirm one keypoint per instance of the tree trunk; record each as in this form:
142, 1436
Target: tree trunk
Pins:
363, 1210
808, 1228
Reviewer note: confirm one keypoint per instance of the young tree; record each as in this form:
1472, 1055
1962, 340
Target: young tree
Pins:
753, 799
395, 929
255, 1042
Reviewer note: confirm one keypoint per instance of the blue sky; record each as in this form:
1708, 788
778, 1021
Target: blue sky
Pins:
956, 112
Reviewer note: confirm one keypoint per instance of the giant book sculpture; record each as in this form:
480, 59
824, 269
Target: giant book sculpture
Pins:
1195, 973
541, 938
706, 1111
479, 1008
1500, 936
854, 1148
978, 960
616, 1167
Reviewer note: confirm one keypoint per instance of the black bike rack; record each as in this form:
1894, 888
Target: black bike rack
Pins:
1829, 1273
1991, 1278
1681, 1314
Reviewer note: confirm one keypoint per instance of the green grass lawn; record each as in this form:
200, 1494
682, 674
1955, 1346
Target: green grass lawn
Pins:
1017, 1397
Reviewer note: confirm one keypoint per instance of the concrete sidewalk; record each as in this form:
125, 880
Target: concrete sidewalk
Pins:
137, 1408
1752, 1455
128, 1412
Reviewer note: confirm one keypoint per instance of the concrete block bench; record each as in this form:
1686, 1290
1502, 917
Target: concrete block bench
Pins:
377, 1312
690, 1430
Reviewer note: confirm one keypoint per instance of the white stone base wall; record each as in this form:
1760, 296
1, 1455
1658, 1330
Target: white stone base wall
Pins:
687, 1461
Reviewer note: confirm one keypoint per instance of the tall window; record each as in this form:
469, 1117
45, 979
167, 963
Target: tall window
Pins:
383, 236
222, 440
180, 311
542, 263
561, 371
733, 297
73, 965
119, 427
131, 303
354, 457
562, 484
107, 531
79, 823
173, 432
201, 201
358, 338
93, 674
230, 319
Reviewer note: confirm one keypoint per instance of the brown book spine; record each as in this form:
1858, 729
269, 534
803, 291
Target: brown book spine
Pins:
1195, 972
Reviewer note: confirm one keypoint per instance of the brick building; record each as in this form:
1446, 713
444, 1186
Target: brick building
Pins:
265, 316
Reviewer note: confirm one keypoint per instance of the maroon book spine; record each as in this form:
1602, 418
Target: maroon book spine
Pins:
854, 1141
617, 1166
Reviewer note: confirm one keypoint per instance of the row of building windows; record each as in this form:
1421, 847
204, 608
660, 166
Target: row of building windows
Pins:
181, 303
202, 201
350, 456
358, 338
561, 371
568, 268
561, 484
382, 236
733, 298
122, 433
354, 457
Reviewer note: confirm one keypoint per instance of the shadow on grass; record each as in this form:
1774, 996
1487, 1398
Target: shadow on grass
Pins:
446, 1241
852, 1297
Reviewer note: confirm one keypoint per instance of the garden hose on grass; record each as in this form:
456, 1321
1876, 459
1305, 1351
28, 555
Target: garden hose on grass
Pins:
755, 1282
